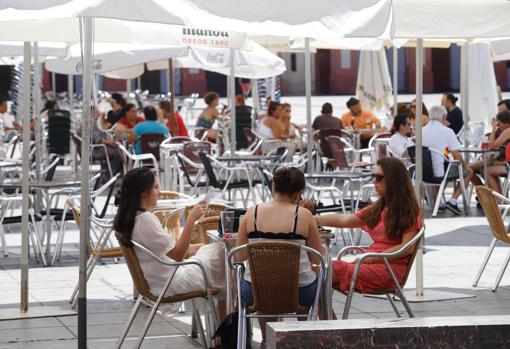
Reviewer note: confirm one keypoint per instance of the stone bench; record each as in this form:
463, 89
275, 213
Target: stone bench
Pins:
431, 332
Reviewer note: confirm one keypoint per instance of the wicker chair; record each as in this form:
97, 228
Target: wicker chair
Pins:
145, 294
414, 243
98, 250
492, 211
209, 221
274, 269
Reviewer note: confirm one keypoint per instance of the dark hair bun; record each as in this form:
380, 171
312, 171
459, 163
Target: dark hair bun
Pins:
288, 181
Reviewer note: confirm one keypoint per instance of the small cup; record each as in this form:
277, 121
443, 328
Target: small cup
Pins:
227, 222
485, 145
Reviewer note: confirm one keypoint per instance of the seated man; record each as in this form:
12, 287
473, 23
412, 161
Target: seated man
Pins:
358, 118
150, 125
10, 123
326, 119
441, 138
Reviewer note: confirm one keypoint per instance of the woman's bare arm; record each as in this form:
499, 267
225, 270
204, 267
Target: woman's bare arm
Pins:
339, 220
182, 245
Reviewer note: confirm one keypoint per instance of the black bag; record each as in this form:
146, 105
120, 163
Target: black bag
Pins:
227, 332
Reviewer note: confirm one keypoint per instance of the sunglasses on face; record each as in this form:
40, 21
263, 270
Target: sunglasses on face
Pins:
377, 177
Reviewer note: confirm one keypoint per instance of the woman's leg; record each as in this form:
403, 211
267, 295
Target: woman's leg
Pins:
493, 173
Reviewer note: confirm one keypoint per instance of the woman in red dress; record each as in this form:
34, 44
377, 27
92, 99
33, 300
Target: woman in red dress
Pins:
392, 221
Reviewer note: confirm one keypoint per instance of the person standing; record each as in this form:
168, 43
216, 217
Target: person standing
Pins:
454, 118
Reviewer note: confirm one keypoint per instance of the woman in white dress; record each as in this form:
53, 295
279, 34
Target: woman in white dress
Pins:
400, 141
135, 222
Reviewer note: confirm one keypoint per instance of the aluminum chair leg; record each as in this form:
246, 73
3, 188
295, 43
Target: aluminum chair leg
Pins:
501, 272
131, 318
485, 261
400, 293
348, 300
439, 196
198, 320
2, 240
393, 305
147, 324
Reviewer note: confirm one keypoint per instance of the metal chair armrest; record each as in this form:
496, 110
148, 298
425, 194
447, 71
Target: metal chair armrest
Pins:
346, 249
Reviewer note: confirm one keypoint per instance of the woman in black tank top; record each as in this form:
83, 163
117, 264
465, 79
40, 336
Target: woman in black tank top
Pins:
282, 219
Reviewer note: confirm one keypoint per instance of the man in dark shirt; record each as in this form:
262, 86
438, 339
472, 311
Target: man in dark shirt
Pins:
454, 118
326, 119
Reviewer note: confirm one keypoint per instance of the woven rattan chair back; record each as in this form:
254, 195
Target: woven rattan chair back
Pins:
416, 247
492, 212
135, 270
274, 269
209, 221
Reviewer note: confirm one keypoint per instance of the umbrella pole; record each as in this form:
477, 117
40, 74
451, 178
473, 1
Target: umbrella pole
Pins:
395, 80
35, 112
232, 88
85, 183
308, 93
24, 178
419, 155
70, 93
170, 85
464, 88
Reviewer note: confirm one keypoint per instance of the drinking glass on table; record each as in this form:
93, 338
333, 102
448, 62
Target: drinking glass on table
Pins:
227, 222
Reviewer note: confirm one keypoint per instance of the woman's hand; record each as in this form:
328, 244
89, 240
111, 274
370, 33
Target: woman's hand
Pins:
197, 211
494, 124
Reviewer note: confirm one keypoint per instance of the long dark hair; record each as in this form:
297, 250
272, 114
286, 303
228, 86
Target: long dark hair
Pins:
399, 199
136, 182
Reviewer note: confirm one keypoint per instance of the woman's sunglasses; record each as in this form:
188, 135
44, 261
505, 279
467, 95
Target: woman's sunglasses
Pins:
377, 177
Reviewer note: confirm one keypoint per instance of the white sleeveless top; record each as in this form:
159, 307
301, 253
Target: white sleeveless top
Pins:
265, 131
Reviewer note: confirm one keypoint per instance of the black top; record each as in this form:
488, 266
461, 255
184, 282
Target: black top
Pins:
114, 116
455, 119
257, 234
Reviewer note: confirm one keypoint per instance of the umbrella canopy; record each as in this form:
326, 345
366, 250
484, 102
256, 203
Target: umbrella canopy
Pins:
373, 87
258, 63
482, 95
109, 57
320, 18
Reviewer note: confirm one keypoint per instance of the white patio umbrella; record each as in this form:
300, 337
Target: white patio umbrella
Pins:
373, 86
120, 57
258, 63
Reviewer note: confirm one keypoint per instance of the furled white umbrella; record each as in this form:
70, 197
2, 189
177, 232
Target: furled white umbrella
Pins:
482, 95
373, 87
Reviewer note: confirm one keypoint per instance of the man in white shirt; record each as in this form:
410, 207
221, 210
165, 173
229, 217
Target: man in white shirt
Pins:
439, 137
9, 121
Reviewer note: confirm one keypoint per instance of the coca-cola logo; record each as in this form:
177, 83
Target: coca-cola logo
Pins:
216, 58
96, 65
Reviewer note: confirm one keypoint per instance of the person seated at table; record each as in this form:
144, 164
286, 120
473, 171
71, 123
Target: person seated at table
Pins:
441, 138
499, 139
174, 123
118, 103
288, 129
357, 118
454, 119
149, 125
504, 105
400, 141
424, 114
292, 223
326, 119
134, 221
270, 127
124, 127
392, 221
9, 121
209, 115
